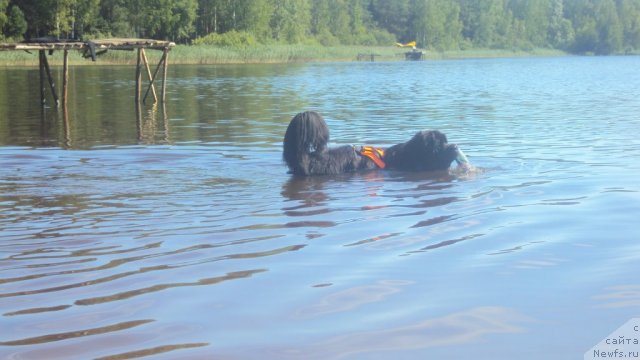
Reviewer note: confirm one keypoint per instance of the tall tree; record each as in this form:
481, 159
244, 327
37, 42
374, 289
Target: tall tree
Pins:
215, 16
609, 28
583, 21
560, 33
436, 24
3, 16
358, 20
629, 13
16, 24
393, 16
486, 23
84, 17
340, 21
321, 22
291, 20
536, 21
115, 18
41, 16
597, 26
254, 17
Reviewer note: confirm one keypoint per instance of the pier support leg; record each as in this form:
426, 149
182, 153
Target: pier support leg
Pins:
165, 57
151, 78
138, 76
42, 89
44, 69
66, 126
52, 85
139, 120
65, 78
163, 61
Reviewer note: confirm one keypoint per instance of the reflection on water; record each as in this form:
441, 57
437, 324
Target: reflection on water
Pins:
75, 334
150, 129
458, 328
620, 296
352, 298
175, 231
152, 125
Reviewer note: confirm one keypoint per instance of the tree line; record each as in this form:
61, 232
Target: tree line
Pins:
577, 26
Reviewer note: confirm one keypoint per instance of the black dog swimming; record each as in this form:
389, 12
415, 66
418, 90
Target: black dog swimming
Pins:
305, 151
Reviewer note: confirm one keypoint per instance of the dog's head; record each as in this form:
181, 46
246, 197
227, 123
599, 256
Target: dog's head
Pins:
426, 151
306, 134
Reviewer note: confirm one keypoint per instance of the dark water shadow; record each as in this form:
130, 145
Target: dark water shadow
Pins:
307, 191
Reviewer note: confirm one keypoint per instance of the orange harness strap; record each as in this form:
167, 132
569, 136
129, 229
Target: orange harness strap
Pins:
375, 154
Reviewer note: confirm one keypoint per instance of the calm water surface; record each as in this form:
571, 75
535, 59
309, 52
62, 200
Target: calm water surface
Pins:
177, 232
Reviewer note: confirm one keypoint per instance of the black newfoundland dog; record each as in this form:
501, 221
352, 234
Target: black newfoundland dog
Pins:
306, 153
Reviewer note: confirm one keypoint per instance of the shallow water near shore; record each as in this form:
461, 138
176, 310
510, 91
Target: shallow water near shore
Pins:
175, 231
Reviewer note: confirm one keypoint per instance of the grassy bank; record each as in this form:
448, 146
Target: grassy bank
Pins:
203, 54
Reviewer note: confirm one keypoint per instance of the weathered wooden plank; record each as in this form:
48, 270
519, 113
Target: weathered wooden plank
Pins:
41, 46
111, 44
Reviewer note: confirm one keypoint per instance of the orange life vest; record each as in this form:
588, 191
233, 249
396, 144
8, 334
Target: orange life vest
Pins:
375, 154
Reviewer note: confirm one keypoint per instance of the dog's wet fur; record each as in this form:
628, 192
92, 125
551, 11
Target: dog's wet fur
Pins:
306, 153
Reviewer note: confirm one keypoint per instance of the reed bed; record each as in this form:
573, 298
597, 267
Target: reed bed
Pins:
206, 54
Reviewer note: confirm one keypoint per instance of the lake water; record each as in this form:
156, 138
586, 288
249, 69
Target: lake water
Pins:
176, 231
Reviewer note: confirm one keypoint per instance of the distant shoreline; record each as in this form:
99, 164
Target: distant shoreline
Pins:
267, 54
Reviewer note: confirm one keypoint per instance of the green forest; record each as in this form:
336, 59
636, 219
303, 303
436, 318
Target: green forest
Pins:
577, 26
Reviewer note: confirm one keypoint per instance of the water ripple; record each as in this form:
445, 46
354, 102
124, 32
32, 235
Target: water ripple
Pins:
180, 234
75, 334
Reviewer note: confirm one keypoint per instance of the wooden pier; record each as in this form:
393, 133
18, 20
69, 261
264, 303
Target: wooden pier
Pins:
92, 49
367, 57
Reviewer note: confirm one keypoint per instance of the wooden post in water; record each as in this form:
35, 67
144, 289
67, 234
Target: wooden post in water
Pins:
42, 89
165, 58
66, 125
65, 78
138, 76
52, 85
